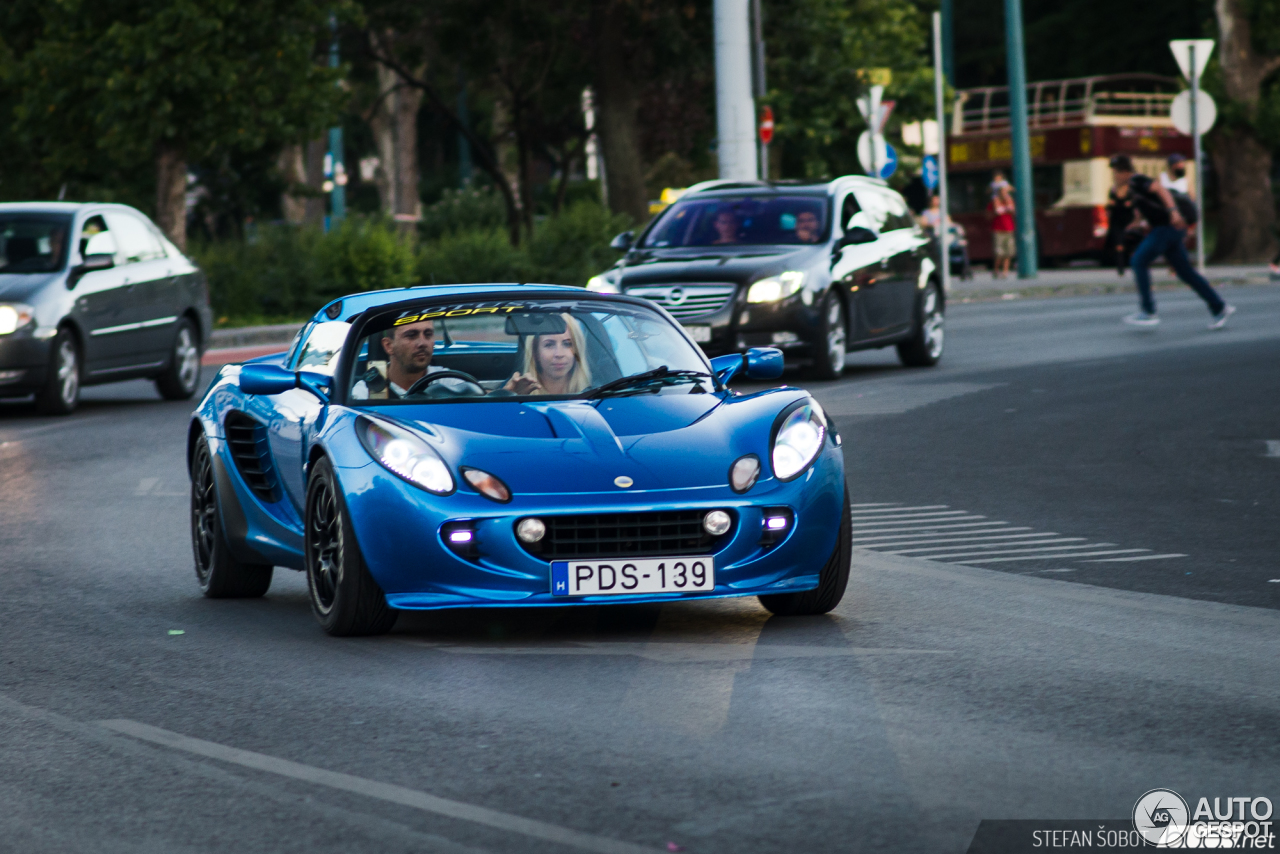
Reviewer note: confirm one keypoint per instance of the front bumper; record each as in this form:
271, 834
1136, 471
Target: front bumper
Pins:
408, 558
789, 324
24, 361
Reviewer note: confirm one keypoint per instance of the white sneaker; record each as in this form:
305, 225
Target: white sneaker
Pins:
1220, 320
1141, 318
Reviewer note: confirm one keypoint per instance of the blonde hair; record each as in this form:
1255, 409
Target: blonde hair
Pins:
580, 379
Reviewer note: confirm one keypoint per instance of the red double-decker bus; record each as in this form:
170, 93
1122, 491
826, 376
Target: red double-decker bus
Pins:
1076, 125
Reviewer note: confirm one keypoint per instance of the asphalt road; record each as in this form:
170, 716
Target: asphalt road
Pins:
948, 688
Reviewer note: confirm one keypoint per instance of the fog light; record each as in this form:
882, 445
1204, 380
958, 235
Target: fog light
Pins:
716, 523
743, 473
775, 523
531, 530
461, 538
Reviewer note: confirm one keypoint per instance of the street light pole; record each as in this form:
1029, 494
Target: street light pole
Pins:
939, 92
338, 196
1016, 60
1195, 136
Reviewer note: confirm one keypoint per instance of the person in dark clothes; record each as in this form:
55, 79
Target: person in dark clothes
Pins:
1168, 230
1120, 233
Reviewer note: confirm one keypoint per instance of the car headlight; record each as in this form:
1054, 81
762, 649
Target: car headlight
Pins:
488, 485
776, 287
405, 454
14, 316
798, 440
601, 285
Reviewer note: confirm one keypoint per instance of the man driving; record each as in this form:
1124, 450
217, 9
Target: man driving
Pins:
807, 227
408, 349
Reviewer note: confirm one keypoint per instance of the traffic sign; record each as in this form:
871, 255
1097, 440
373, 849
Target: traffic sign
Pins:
766, 125
1180, 111
886, 154
929, 172
890, 164
1182, 53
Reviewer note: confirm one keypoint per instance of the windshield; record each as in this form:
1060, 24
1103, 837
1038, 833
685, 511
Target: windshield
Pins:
742, 221
33, 243
500, 350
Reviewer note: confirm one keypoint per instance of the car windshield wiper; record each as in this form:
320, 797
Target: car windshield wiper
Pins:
647, 381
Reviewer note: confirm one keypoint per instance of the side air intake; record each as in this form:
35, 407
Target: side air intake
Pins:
251, 451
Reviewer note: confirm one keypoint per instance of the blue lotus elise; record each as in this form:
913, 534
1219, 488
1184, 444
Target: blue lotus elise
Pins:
512, 445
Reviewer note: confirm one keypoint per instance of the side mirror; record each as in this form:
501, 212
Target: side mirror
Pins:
856, 235
623, 241
758, 363
91, 263
273, 379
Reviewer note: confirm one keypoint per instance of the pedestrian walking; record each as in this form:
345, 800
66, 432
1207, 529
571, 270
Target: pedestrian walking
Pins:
1153, 204
1001, 209
1120, 234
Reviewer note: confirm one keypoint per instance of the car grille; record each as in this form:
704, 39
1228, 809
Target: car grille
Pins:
251, 451
675, 533
686, 301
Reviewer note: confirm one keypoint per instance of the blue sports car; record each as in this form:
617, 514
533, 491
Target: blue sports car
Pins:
512, 445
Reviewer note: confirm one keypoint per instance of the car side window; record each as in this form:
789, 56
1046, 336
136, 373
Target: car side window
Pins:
848, 208
97, 239
897, 215
322, 348
136, 241
874, 211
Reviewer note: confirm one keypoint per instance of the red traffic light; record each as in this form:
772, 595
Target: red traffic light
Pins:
766, 125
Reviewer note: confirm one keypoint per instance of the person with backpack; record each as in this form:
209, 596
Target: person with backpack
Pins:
1164, 215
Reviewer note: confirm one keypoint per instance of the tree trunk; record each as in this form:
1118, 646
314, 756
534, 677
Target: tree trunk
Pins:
617, 105
293, 168
382, 125
1247, 215
171, 193
315, 207
395, 132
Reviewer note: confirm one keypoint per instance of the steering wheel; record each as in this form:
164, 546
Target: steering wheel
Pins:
422, 384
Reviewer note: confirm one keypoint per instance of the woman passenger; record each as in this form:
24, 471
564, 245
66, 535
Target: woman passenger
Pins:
553, 363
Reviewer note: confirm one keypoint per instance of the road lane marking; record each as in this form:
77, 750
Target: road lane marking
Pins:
921, 529
896, 400
913, 539
373, 789
964, 555
1273, 448
881, 504
672, 652
1132, 559
893, 508
898, 516
981, 546
1051, 557
918, 523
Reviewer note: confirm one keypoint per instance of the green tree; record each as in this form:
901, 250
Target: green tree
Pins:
123, 83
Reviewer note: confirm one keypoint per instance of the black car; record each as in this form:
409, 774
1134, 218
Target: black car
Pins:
814, 269
94, 293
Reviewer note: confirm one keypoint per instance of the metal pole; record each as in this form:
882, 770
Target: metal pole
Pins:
939, 92
757, 78
1016, 59
338, 198
735, 109
1195, 136
464, 147
948, 41
873, 124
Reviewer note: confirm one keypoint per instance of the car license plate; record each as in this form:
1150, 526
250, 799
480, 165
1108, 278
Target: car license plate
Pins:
632, 576
700, 334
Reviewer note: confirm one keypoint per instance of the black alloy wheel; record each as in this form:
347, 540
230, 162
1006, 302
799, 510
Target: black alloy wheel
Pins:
831, 344
218, 572
344, 596
832, 579
924, 348
60, 393
182, 374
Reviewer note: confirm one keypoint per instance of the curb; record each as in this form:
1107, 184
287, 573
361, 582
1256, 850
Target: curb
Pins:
248, 336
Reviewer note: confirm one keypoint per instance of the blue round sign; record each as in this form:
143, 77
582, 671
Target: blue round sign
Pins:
929, 172
890, 161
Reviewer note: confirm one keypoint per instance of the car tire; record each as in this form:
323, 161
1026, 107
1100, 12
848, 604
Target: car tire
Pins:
344, 596
182, 374
60, 393
832, 580
832, 343
219, 573
924, 348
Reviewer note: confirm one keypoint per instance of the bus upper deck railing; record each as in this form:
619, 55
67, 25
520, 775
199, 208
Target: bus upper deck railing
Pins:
1109, 99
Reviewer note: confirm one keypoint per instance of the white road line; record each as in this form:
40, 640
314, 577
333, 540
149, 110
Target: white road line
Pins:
981, 546
898, 516
373, 789
1131, 559
917, 523
893, 508
1058, 549
1273, 448
856, 506
913, 539
1050, 557
923, 529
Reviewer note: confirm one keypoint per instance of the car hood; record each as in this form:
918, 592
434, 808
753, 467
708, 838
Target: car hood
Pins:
20, 287
658, 441
739, 264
